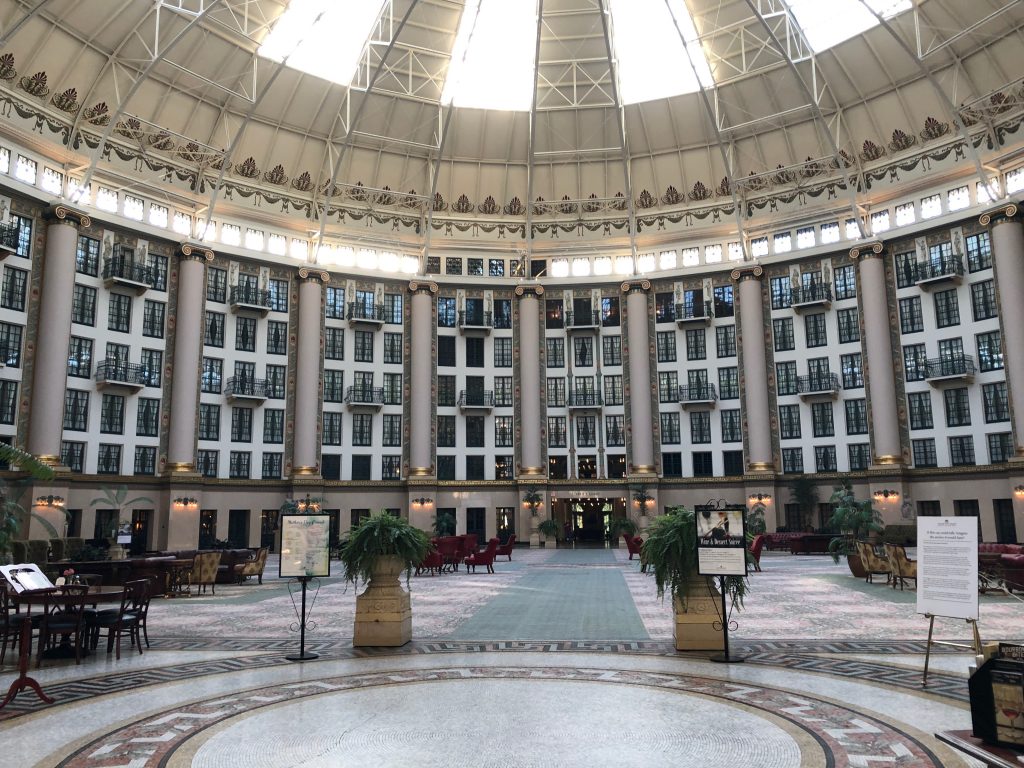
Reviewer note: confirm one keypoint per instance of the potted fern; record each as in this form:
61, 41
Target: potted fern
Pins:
671, 552
550, 528
375, 553
618, 526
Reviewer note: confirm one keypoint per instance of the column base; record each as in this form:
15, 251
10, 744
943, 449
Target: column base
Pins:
181, 469
643, 469
887, 462
420, 472
531, 471
760, 466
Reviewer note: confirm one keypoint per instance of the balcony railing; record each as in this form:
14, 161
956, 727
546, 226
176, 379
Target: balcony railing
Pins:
818, 384
132, 375
123, 269
586, 320
480, 399
585, 400
694, 312
704, 393
248, 297
953, 366
9, 236
951, 268
373, 313
373, 396
477, 320
245, 387
811, 294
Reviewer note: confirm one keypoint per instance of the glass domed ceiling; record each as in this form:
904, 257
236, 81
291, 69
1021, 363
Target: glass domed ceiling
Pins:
501, 120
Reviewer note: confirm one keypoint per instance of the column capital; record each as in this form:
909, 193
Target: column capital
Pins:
314, 275
869, 250
59, 213
187, 250
415, 286
752, 272
636, 286
1004, 213
529, 290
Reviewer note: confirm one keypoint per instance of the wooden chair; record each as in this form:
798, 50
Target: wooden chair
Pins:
123, 620
873, 563
204, 571
10, 622
902, 567
63, 617
507, 547
485, 558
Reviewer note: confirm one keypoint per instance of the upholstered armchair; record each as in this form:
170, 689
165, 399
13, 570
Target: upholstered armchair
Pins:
874, 564
483, 558
252, 567
756, 546
204, 571
902, 567
507, 547
633, 544
432, 563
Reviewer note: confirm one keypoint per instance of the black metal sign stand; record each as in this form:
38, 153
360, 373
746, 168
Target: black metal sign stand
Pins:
725, 658
303, 655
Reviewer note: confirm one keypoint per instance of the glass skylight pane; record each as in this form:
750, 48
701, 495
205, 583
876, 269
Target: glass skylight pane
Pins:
712, 254
559, 267
492, 59
691, 257
322, 37
828, 24
652, 58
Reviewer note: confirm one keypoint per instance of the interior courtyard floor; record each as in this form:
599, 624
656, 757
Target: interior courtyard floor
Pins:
560, 658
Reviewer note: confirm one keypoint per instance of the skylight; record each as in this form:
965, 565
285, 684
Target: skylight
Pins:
828, 24
322, 37
493, 57
651, 57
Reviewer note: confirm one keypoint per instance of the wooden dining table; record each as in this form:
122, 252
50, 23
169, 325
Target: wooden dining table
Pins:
36, 598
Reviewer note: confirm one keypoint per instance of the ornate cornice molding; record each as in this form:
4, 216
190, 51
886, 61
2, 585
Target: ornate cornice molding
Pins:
415, 286
871, 250
305, 273
635, 286
59, 213
1005, 212
189, 250
523, 290
752, 272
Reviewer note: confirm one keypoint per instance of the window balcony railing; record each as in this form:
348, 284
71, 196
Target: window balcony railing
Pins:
477, 321
694, 312
365, 313
479, 399
807, 295
702, 394
118, 373
583, 320
371, 396
585, 400
950, 268
243, 387
124, 270
950, 367
9, 236
818, 384
247, 297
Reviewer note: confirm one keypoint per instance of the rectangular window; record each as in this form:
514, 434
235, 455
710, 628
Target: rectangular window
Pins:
119, 313
555, 352
611, 350
556, 432
446, 312
556, 392
393, 308
666, 347
10, 345
728, 383
363, 350
147, 418
613, 390
732, 431
852, 370
209, 421
217, 284
8, 401
108, 459
13, 293
670, 429
152, 362
859, 454
997, 405
792, 460
700, 427
586, 431
503, 431
334, 305
72, 455
844, 281
273, 464
702, 464
153, 319
583, 351
362, 429
76, 410
273, 425
213, 374
915, 362
245, 334
781, 293
80, 357
785, 378
475, 434
239, 464
334, 343
990, 351
392, 430
696, 344
924, 452
821, 419
856, 417
278, 295
503, 314
979, 252
947, 309
241, 425
392, 389
277, 337
503, 392
725, 341
782, 331
87, 256
496, 267
83, 305
668, 387
664, 308
961, 451
789, 422
825, 458
145, 460
214, 335
672, 464
334, 386
446, 390
332, 428
911, 318
815, 330
1000, 447
723, 301
206, 462
614, 431
983, 299
849, 325
920, 408
958, 408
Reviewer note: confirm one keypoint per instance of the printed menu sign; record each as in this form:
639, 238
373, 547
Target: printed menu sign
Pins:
721, 541
305, 545
947, 566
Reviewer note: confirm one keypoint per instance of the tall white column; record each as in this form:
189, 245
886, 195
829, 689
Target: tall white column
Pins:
1008, 260
531, 462
50, 370
421, 379
638, 350
309, 373
189, 316
881, 375
756, 402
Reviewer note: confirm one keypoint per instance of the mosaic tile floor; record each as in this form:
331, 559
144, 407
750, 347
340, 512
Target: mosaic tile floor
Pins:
832, 678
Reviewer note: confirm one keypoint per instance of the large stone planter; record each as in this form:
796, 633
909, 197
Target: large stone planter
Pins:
383, 610
694, 629
550, 543
534, 534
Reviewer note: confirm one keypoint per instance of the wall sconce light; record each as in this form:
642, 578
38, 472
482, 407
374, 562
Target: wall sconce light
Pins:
886, 495
422, 501
186, 502
1019, 491
308, 505
56, 502
760, 498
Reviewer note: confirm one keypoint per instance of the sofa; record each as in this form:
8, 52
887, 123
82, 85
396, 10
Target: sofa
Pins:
991, 548
229, 558
810, 543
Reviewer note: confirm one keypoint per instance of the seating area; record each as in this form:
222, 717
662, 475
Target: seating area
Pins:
449, 553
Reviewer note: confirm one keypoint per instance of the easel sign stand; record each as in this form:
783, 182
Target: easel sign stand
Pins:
305, 556
947, 577
722, 552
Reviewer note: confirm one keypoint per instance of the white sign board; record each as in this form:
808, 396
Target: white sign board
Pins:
947, 567
721, 541
305, 545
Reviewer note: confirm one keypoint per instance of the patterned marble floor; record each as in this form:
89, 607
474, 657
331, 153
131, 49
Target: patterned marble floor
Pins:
832, 678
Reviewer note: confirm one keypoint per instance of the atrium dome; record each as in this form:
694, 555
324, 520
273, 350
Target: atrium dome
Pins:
616, 121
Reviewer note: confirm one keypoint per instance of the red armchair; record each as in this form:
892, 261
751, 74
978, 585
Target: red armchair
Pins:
755, 550
433, 562
507, 547
448, 548
483, 558
633, 544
